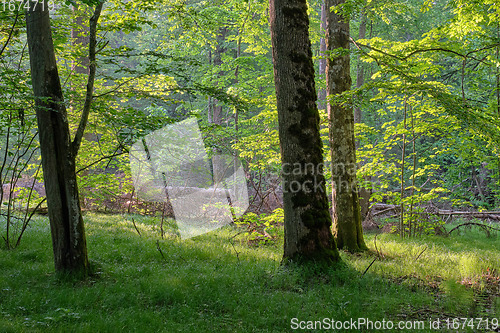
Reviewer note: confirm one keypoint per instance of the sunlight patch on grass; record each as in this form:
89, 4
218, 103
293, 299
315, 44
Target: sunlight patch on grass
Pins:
217, 282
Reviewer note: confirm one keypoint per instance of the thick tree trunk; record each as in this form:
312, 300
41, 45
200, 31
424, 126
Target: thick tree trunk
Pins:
58, 157
347, 216
308, 235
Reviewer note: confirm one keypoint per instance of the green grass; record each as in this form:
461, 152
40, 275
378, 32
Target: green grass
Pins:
217, 283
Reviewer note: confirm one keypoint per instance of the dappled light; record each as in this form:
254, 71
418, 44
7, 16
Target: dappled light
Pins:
249, 166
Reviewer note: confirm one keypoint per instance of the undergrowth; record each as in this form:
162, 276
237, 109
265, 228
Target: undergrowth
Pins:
219, 282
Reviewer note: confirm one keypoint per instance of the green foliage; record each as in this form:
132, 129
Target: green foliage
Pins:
262, 229
19, 156
432, 98
87, 2
431, 92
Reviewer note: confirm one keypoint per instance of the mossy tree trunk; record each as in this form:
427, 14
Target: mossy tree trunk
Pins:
308, 235
57, 150
347, 215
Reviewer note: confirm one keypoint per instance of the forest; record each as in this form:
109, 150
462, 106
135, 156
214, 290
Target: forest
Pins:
249, 165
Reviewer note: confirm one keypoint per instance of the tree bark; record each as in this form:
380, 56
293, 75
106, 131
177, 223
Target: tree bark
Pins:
58, 157
220, 49
364, 193
80, 38
322, 60
308, 235
360, 69
347, 215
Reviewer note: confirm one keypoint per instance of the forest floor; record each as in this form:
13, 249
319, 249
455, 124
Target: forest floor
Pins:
219, 282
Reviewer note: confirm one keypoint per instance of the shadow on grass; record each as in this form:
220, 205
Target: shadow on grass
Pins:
208, 283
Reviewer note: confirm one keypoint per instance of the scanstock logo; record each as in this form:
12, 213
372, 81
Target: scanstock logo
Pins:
171, 164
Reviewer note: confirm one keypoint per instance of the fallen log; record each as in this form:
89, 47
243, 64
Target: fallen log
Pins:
380, 208
494, 215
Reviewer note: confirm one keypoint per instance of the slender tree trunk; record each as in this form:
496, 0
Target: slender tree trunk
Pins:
322, 60
360, 70
58, 152
308, 235
220, 49
364, 193
402, 178
80, 38
347, 215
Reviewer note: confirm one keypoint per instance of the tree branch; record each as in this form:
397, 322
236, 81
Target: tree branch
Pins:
433, 49
90, 83
117, 87
487, 228
10, 35
99, 160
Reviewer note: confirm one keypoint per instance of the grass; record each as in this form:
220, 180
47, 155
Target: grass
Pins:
218, 283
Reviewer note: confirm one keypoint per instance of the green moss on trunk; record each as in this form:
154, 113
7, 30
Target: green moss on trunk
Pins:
308, 235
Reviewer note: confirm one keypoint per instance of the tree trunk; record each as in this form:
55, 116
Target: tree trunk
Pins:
347, 216
360, 70
220, 49
58, 157
80, 38
322, 60
308, 235
364, 193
